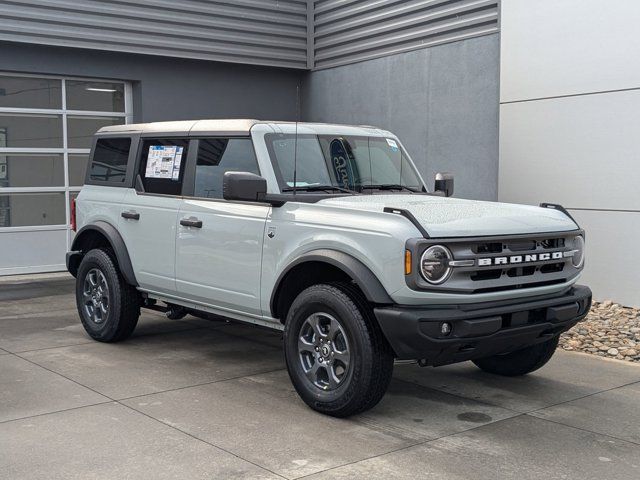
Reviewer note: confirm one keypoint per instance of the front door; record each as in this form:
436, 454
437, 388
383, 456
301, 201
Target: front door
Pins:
219, 242
149, 214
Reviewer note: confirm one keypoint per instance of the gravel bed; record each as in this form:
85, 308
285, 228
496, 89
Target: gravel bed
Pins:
609, 330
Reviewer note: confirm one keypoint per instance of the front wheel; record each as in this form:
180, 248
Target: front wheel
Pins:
338, 359
521, 361
109, 308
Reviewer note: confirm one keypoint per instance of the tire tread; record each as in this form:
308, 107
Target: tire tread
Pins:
367, 390
125, 297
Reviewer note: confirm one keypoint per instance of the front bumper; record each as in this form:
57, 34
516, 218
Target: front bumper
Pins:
480, 330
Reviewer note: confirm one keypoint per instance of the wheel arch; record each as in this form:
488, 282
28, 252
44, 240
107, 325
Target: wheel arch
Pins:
320, 266
101, 234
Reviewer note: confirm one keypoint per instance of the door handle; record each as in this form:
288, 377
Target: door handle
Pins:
130, 215
191, 222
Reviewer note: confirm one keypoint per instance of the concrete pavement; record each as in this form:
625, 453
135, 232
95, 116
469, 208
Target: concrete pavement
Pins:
210, 399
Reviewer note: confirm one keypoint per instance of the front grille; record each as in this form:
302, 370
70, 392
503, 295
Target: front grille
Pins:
505, 263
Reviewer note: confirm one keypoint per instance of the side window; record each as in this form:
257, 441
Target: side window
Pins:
217, 156
109, 162
162, 165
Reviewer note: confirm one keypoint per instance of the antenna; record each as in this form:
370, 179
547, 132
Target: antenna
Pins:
295, 142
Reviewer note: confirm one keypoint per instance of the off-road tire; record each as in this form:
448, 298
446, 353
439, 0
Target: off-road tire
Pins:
371, 358
521, 361
123, 300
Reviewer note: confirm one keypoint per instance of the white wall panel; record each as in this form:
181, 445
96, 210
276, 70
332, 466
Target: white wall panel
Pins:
612, 264
570, 125
564, 47
582, 152
34, 251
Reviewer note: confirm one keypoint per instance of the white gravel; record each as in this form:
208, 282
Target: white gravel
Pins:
609, 330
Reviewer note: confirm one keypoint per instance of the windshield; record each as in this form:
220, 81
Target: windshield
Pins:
346, 163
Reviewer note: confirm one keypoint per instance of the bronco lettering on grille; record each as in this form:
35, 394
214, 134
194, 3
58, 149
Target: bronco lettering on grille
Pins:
528, 258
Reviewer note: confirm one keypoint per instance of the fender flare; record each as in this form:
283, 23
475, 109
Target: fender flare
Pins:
117, 245
373, 290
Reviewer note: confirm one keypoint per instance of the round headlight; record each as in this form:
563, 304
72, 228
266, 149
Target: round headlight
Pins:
434, 264
578, 251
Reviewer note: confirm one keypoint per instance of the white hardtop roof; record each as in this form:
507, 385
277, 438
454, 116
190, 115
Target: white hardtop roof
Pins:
235, 127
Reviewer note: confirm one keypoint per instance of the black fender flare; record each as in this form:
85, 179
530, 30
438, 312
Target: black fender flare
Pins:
117, 245
373, 290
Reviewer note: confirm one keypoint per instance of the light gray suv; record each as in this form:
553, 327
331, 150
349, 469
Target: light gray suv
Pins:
329, 233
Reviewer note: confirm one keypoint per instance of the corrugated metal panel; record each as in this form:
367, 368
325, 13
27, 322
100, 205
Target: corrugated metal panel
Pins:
265, 32
348, 31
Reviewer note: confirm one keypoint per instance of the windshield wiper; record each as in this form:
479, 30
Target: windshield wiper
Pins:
389, 186
316, 188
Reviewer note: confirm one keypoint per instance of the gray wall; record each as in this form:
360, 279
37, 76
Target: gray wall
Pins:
441, 101
169, 88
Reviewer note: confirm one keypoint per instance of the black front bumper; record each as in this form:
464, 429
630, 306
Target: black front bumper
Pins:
480, 330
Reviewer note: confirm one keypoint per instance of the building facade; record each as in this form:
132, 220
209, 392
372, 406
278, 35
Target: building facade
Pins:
429, 70
570, 126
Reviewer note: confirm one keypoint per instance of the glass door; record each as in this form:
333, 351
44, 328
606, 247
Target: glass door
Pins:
46, 127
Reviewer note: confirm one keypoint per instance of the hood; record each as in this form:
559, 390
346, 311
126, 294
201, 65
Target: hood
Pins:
455, 217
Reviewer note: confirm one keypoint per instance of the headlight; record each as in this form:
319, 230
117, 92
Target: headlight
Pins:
578, 251
434, 264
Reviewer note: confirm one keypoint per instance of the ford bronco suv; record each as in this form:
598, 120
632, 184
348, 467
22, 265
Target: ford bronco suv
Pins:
329, 233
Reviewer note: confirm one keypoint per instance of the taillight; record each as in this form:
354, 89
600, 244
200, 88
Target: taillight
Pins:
73, 214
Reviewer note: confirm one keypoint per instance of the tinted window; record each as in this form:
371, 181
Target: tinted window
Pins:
95, 96
162, 165
29, 92
217, 156
109, 163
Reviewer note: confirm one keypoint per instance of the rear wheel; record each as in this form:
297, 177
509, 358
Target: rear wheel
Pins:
109, 307
338, 360
521, 361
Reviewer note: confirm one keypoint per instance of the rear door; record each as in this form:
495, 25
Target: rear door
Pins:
219, 242
149, 217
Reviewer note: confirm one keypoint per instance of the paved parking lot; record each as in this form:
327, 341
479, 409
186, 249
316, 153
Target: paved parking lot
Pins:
198, 399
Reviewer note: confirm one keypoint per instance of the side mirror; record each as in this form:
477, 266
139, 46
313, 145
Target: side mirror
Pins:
444, 184
244, 186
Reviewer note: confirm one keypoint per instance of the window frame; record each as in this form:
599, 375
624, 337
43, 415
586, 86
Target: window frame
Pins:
65, 150
136, 164
282, 184
189, 179
128, 178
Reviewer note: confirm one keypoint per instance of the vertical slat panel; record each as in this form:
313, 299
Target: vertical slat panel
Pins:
266, 32
348, 31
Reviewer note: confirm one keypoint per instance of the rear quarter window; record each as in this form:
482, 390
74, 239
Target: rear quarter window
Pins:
109, 161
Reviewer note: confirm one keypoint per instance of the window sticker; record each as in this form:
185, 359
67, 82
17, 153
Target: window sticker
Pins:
392, 143
164, 162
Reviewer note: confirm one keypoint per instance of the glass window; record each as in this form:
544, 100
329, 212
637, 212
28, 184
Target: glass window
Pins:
30, 131
77, 168
356, 163
217, 156
162, 165
109, 163
309, 159
27, 209
80, 130
28, 92
95, 96
31, 170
